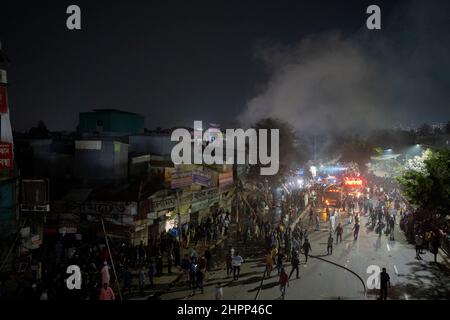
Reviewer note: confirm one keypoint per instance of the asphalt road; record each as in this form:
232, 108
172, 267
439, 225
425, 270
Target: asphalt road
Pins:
319, 279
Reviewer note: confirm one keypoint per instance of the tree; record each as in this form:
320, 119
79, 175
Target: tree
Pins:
40, 131
425, 130
290, 151
447, 127
428, 187
358, 151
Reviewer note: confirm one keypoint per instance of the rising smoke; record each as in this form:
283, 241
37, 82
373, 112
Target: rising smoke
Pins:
334, 82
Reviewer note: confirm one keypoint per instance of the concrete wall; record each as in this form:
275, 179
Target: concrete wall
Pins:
151, 144
100, 160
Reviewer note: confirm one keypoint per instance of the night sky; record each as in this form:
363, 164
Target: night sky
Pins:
229, 62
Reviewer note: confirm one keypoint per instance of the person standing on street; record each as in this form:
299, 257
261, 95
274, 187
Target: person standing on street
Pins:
141, 281
200, 277
280, 260
295, 262
330, 244
107, 293
237, 261
385, 280
284, 281
208, 257
306, 249
193, 274
127, 277
339, 231
356, 231
434, 246
105, 273
229, 263
219, 291
170, 260
151, 272
419, 242
269, 264
186, 267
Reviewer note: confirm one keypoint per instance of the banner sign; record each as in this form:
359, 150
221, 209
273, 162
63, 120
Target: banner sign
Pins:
3, 100
112, 208
181, 179
164, 203
6, 155
201, 178
225, 178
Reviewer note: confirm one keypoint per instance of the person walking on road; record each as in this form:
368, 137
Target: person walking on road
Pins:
107, 293
434, 246
127, 278
419, 242
105, 273
295, 262
141, 281
311, 216
339, 231
280, 260
199, 278
151, 272
306, 249
385, 280
333, 220
219, 291
269, 264
228, 261
356, 231
193, 274
237, 261
284, 281
330, 244
186, 266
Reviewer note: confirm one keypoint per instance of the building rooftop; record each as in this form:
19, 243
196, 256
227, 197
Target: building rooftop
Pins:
112, 111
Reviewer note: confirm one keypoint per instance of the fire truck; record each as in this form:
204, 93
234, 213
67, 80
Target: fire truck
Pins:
332, 196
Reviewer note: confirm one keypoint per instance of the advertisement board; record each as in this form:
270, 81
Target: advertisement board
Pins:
6, 156
181, 179
3, 100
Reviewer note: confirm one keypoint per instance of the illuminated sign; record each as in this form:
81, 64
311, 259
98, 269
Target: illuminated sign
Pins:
353, 182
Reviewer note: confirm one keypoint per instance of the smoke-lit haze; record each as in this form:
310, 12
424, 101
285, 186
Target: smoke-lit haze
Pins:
373, 79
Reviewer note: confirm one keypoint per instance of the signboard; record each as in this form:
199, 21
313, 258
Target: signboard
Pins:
152, 216
111, 208
3, 100
353, 182
164, 203
181, 179
121, 220
204, 194
201, 178
225, 179
67, 230
168, 174
6, 155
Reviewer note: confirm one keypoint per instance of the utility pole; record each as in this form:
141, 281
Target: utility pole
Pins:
110, 255
179, 216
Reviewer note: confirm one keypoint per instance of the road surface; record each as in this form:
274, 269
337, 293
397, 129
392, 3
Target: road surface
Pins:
319, 279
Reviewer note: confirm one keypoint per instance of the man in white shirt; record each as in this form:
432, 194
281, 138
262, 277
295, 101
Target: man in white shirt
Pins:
237, 261
105, 273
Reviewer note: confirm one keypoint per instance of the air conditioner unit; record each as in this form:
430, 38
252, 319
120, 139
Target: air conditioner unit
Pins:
3, 79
